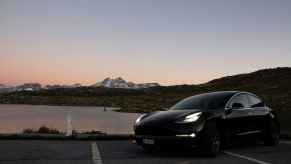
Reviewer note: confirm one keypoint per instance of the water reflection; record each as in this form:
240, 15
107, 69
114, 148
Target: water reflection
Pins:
15, 118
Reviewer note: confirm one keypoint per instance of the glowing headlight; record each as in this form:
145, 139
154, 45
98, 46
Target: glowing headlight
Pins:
139, 118
190, 118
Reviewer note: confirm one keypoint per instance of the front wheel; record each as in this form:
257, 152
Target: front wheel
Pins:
210, 140
272, 134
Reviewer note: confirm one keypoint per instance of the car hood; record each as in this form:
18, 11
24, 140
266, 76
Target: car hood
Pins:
163, 117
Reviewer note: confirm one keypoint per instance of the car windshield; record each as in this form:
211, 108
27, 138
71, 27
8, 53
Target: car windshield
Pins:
208, 101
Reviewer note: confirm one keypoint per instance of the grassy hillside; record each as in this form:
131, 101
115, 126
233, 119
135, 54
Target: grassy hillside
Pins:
273, 85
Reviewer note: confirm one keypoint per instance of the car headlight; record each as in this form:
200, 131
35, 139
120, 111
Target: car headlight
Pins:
140, 118
190, 118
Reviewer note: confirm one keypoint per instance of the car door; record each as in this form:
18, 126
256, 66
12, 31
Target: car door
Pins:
239, 119
259, 112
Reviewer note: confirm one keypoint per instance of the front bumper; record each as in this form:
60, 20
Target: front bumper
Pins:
178, 140
169, 134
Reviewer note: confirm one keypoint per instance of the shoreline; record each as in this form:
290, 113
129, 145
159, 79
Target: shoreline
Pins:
37, 136
76, 106
85, 137
115, 109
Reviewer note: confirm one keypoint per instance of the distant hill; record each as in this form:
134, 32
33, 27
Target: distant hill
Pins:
266, 78
273, 85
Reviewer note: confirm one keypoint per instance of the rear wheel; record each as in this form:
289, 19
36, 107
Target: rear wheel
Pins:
210, 140
272, 134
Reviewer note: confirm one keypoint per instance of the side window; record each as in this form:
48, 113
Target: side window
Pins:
255, 102
242, 99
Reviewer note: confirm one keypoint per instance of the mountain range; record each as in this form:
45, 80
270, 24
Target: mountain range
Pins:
121, 83
106, 83
23, 87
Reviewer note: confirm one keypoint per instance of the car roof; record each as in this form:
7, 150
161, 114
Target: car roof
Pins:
225, 92
229, 93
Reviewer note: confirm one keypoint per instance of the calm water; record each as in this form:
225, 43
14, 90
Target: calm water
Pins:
15, 118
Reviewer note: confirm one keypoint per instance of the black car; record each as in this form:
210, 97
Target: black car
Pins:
209, 121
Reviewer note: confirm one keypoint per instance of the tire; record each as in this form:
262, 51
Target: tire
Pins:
272, 134
210, 141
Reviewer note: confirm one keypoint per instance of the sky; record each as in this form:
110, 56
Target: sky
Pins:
166, 41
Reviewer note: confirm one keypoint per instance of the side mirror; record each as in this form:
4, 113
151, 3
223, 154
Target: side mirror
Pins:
237, 106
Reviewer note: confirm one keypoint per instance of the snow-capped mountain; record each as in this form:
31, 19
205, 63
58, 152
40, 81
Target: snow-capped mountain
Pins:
6, 88
2, 86
29, 87
57, 86
23, 87
121, 83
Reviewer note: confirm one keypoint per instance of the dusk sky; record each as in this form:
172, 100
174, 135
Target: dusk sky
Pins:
165, 41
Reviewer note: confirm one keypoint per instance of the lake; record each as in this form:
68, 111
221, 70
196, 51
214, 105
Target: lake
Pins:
15, 118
